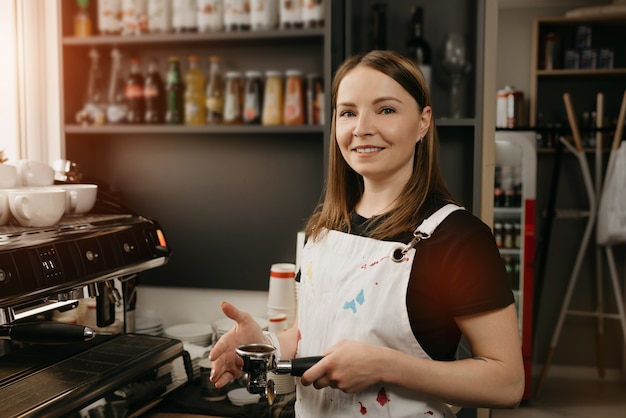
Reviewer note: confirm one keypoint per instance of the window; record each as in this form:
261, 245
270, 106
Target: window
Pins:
9, 142
30, 109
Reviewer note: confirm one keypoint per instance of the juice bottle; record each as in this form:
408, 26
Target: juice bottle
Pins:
82, 21
294, 112
194, 93
273, 99
215, 92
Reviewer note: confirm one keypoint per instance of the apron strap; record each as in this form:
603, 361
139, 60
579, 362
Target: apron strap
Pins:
425, 230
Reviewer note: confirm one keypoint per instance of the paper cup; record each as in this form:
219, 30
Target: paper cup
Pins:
277, 323
282, 291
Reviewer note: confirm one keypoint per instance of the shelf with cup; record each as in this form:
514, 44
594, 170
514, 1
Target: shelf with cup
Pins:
183, 129
580, 55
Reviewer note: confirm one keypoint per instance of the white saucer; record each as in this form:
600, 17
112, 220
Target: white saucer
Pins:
241, 396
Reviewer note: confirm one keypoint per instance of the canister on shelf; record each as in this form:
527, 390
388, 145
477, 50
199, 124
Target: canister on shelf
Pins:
552, 51
159, 16
290, 14
510, 108
572, 59
294, 112
588, 59
184, 16
210, 15
236, 15
312, 13
263, 14
273, 98
134, 17
109, 12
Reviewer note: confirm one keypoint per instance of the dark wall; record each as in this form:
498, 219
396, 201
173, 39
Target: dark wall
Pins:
230, 206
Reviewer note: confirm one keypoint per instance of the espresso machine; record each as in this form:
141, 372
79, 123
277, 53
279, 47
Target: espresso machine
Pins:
49, 368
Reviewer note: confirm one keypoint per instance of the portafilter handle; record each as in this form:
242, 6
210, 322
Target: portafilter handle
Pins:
297, 366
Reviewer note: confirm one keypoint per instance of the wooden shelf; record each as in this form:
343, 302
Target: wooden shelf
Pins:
178, 38
182, 129
583, 73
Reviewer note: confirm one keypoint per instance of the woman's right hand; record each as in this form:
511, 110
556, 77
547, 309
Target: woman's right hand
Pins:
226, 364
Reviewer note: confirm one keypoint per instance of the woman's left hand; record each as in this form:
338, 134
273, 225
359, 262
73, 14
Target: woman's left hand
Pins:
350, 366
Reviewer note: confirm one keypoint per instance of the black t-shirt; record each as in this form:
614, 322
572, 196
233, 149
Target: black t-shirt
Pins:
457, 271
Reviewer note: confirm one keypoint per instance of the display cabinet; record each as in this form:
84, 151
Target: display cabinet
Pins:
581, 56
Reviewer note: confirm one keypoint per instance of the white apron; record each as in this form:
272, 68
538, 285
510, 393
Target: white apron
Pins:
350, 288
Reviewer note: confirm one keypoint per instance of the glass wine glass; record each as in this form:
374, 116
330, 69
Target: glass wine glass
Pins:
454, 62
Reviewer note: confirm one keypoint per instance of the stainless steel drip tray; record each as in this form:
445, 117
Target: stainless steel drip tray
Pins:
31, 387
45, 262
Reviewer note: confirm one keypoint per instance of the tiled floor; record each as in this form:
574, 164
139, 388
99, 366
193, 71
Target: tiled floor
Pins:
572, 398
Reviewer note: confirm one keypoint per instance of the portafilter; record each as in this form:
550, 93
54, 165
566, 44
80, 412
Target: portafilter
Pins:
259, 359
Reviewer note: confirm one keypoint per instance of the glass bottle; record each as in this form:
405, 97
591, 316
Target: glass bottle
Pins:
116, 109
82, 20
232, 98
175, 93
94, 108
194, 93
253, 98
215, 92
133, 92
418, 48
154, 93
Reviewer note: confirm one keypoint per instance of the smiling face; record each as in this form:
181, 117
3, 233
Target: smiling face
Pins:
378, 124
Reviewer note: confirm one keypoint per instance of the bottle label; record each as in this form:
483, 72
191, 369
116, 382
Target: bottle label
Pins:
251, 108
116, 113
150, 92
133, 91
215, 104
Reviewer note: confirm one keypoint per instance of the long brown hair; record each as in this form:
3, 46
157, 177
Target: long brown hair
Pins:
344, 186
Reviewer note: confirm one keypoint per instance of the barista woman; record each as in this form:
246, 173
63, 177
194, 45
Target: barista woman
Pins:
389, 329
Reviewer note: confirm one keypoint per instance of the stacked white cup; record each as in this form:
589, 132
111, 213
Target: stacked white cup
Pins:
281, 311
281, 298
